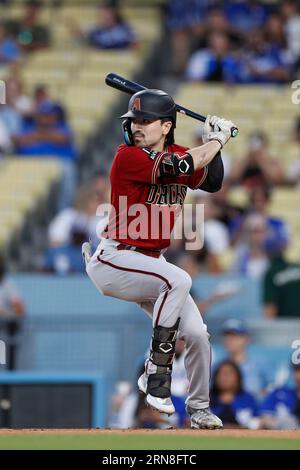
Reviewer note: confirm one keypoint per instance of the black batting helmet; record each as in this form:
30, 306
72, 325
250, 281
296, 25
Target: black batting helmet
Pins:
151, 104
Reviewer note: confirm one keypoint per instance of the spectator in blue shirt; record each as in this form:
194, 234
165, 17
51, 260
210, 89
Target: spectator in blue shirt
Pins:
48, 137
255, 371
214, 64
235, 407
250, 256
262, 62
277, 229
110, 32
246, 15
67, 258
281, 408
9, 50
41, 95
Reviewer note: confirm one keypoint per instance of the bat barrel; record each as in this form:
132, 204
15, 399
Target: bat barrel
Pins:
120, 83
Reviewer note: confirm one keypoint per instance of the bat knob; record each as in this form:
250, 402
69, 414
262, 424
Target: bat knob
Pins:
234, 131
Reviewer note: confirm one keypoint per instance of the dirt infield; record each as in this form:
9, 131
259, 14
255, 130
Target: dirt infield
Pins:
286, 434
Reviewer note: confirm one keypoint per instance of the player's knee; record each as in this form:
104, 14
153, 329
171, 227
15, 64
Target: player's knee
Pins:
183, 282
196, 336
187, 282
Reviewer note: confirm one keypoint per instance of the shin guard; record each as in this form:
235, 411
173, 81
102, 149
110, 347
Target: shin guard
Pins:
162, 355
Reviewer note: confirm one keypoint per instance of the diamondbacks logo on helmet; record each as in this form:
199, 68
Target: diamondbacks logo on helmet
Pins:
151, 104
136, 105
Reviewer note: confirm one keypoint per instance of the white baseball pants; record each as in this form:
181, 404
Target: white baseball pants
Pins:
161, 289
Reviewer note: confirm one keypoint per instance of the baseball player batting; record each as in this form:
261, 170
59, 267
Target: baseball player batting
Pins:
152, 171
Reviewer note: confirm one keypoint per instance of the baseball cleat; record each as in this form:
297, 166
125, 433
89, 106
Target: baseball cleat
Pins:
86, 251
164, 405
204, 419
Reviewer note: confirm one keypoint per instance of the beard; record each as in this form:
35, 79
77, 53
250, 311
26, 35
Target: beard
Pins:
139, 141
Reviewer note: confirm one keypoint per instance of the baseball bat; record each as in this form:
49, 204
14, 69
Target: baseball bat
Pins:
128, 86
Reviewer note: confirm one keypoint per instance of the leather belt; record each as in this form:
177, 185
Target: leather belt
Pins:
144, 251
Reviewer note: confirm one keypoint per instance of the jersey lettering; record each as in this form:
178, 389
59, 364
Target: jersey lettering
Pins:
166, 194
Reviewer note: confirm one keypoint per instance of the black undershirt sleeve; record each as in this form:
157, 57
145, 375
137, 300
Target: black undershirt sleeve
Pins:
215, 175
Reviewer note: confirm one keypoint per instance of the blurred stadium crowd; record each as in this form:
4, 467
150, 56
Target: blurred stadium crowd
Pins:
235, 41
58, 131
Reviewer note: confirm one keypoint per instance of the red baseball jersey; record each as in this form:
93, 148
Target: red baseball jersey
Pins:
145, 205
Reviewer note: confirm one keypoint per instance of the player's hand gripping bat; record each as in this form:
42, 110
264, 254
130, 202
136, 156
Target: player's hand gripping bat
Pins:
130, 87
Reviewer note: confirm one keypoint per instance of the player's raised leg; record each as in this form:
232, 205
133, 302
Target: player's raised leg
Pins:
135, 277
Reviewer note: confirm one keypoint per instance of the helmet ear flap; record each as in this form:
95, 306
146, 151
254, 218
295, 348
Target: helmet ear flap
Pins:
127, 133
